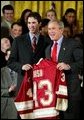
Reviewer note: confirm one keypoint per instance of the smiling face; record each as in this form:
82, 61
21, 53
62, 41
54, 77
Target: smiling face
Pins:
51, 15
33, 25
9, 15
54, 31
16, 30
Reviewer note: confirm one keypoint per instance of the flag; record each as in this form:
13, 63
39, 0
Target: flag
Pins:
53, 6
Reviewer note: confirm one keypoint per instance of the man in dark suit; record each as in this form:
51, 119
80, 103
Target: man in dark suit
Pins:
70, 59
22, 54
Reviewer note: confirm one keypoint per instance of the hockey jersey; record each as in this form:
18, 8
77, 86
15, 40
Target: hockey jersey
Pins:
24, 98
49, 92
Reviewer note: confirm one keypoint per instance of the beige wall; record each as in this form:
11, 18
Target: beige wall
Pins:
43, 6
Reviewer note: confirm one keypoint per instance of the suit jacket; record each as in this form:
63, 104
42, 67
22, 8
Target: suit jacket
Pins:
70, 53
4, 24
7, 102
3, 60
22, 53
11, 39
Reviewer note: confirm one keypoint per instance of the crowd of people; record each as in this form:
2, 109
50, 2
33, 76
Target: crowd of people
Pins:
31, 37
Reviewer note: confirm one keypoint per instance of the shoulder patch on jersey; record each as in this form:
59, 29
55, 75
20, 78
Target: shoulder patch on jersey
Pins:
37, 73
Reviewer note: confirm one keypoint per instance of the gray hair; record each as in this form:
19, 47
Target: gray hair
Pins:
58, 22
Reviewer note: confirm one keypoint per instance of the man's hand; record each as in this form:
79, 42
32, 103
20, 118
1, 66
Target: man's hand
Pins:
26, 67
63, 66
12, 88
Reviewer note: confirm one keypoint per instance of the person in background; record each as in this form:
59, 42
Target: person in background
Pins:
8, 16
44, 28
23, 20
13, 74
51, 14
69, 57
4, 34
69, 20
8, 86
5, 44
28, 48
66, 32
15, 31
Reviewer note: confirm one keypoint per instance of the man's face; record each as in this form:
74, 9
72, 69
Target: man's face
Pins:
16, 30
33, 25
54, 31
9, 15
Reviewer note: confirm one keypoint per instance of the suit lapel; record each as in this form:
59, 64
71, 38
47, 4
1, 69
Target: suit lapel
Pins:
27, 42
39, 44
27, 39
48, 52
62, 51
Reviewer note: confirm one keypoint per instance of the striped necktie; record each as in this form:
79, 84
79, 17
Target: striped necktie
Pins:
34, 43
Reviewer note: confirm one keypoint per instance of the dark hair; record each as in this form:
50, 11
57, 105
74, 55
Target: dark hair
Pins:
70, 10
24, 12
16, 23
7, 7
36, 15
4, 32
44, 22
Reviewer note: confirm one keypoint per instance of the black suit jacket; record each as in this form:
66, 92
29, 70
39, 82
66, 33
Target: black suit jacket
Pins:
22, 53
72, 54
3, 60
11, 39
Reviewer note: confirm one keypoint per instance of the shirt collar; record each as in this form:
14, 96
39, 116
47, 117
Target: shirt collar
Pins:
32, 35
59, 41
8, 23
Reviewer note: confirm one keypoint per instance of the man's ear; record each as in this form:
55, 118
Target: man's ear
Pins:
62, 30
